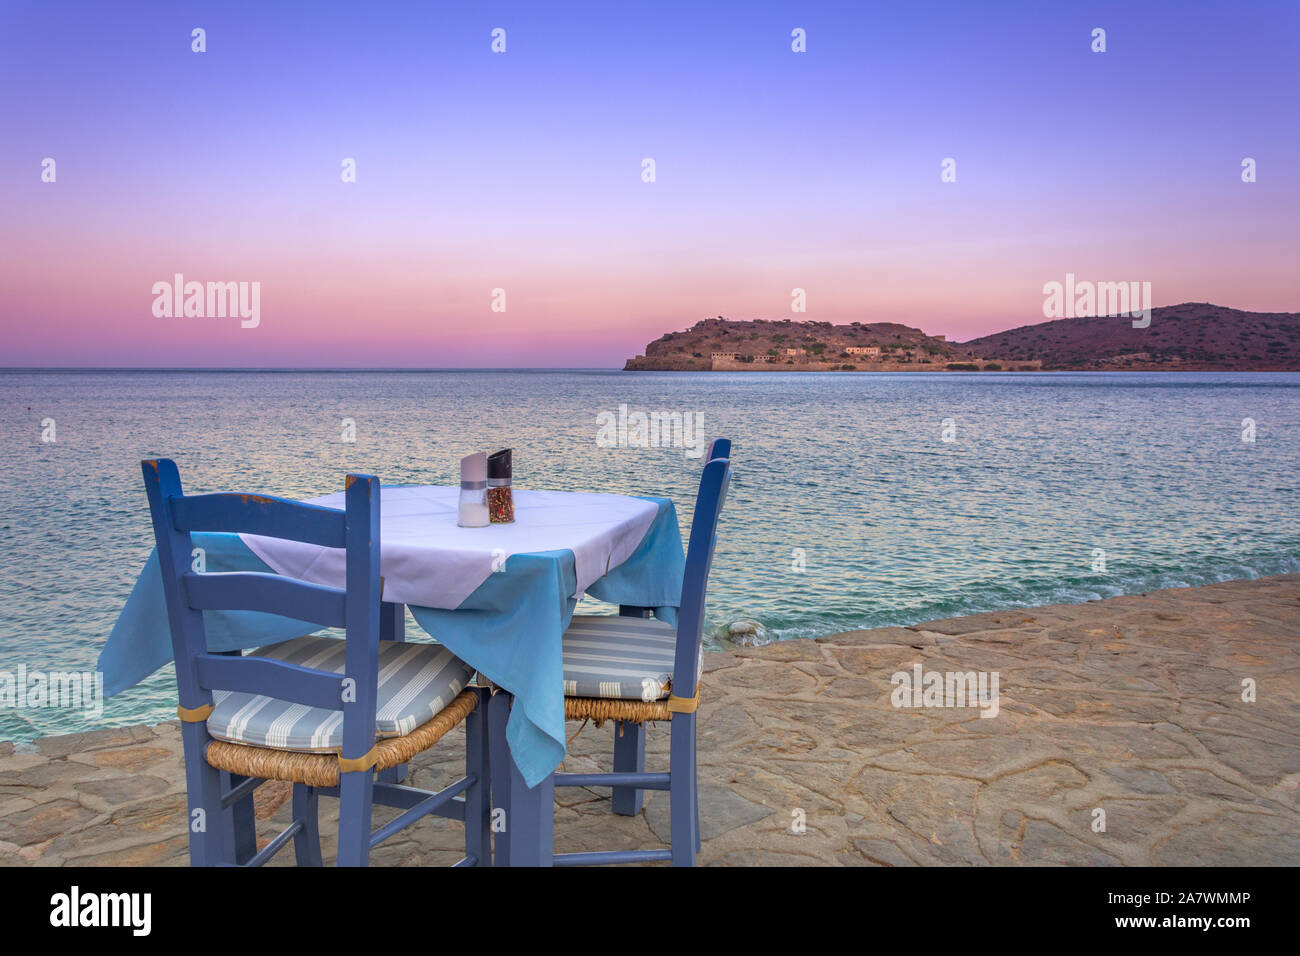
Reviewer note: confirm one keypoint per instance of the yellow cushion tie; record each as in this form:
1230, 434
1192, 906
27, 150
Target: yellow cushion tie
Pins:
195, 715
684, 705
353, 765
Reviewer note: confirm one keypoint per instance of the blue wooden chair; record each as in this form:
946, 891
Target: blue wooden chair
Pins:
322, 713
633, 670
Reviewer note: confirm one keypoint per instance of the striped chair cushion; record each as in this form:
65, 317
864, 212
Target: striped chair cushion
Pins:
416, 681
630, 658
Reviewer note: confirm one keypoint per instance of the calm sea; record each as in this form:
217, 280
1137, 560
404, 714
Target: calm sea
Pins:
848, 508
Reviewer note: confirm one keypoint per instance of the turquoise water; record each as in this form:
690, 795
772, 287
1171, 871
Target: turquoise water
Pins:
895, 525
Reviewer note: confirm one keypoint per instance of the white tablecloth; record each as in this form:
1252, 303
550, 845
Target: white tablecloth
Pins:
427, 560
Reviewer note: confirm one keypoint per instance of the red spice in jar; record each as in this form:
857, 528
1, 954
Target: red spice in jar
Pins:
501, 505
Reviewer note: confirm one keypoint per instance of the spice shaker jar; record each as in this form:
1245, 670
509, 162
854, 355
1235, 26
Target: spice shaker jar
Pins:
501, 502
472, 511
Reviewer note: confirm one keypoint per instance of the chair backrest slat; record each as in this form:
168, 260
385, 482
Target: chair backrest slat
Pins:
260, 514
263, 675
356, 529
699, 559
269, 593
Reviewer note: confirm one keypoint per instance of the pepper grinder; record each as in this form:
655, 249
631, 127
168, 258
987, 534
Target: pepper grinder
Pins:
473, 510
501, 502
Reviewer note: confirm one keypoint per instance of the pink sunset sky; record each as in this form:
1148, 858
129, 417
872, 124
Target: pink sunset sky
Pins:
522, 171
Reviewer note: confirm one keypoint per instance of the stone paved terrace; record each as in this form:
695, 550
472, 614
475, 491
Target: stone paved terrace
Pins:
1132, 705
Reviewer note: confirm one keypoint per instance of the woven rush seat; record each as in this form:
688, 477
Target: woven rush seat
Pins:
601, 709
322, 769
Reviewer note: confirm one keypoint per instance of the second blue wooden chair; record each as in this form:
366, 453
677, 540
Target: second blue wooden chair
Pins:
633, 670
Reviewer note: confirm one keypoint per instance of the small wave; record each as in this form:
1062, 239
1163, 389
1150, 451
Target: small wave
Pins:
1028, 594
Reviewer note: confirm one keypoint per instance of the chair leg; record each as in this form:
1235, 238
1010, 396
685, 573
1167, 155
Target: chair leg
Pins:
529, 835
356, 795
478, 796
681, 790
498, 711
531, 821
699, 839
243, 823
306, 842
210, 840
392, 627
629, 757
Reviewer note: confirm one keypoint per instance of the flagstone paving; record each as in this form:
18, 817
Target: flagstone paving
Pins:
1131, 706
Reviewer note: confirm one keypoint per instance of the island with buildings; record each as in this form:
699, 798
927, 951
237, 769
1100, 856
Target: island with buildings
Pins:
1193, 336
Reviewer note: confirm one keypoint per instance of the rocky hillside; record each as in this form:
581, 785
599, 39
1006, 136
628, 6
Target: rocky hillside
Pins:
1194, 335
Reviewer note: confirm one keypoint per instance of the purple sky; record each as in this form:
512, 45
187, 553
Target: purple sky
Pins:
522, 171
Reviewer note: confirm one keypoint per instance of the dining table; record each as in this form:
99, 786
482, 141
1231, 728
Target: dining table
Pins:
500, 597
